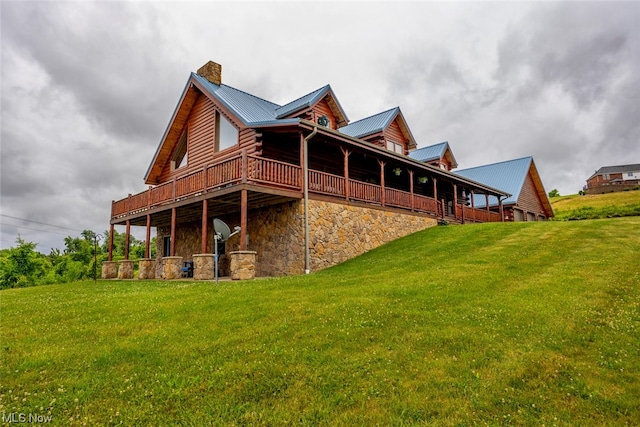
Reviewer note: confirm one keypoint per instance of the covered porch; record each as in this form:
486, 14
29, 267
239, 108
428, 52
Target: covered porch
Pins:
342, 170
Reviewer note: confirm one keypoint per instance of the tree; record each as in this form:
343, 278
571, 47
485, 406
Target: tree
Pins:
22, 266
554, 193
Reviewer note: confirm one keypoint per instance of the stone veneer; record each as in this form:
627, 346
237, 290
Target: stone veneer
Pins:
172, 267
243, 265
109, 269
147, 268
203, 266
125, 269
338, 232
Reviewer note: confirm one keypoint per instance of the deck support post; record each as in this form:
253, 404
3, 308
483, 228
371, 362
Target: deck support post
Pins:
243, 219
147, 244
205, 215
110, 256
172, 242
127, 239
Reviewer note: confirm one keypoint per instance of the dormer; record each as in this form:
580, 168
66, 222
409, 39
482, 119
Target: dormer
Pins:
438, 155
320, 106
388, 129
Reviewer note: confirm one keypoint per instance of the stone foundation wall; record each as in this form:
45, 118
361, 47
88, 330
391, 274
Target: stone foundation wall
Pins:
338, 232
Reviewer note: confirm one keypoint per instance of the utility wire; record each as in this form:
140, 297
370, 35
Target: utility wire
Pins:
38, 222
34, 229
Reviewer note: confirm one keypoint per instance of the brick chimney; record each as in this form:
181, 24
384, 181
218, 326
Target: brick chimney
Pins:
211, 71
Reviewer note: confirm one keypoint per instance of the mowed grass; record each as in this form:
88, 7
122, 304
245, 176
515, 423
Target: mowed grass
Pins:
496, 324
593, 206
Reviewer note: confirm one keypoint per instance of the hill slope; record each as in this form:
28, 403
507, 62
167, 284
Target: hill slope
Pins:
522, 323
609, 205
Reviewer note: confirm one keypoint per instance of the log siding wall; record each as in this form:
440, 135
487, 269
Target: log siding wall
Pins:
201, 139
393, 133
529, 199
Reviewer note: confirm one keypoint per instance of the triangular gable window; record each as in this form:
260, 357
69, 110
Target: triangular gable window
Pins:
226, 133
179, 158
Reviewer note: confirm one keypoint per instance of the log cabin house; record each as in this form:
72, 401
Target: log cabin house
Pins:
308, 188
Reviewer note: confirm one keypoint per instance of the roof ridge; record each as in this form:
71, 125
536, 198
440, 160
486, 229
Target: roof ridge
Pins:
430, 146
496, 163
374, 115
251, 95
305, 95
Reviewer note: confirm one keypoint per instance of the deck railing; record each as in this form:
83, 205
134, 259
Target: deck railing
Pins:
245, 168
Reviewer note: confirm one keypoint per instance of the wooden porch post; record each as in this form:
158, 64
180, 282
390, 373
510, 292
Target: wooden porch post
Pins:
435, 189
455, 201
411, 189
473, 206
173, 232
346, 153
243, 220
126, 240
302, 159
147, 245
486, 197
110, 257
382, 191
205, 222
501, 209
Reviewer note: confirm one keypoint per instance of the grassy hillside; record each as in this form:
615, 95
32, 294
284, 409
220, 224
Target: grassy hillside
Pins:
498, 324
609, 205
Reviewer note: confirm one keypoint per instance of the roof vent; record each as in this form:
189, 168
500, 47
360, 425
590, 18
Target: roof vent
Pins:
211, 71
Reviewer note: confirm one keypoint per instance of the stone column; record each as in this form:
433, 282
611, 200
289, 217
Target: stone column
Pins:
203, 266
109, 270
125, 269
243, 265
172, 267
147, 268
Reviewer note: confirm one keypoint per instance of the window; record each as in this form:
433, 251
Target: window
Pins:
166, 246
226, 133
630, 174
605, 176
394, 146
179, 158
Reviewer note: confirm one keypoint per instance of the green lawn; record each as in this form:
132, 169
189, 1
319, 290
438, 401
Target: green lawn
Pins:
593, 206
488, 324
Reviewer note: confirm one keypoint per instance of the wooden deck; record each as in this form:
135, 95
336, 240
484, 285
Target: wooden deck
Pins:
249, 169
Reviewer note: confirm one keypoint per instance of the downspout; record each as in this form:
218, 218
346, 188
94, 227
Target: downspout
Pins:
305, 180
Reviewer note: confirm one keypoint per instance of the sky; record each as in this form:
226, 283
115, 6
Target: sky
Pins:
88, 88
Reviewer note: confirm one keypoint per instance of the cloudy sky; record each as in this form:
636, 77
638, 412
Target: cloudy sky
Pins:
88, 88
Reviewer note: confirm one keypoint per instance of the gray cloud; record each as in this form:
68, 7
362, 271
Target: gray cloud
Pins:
88, 88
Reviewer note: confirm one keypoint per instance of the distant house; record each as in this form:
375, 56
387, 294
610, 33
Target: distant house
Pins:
520, 178
307, 188
613, 178
439, 155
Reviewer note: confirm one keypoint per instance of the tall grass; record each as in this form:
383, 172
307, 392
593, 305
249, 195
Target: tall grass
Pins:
498, 324
594, 206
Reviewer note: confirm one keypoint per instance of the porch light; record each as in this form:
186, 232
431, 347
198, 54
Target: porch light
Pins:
397, 171
422, 179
